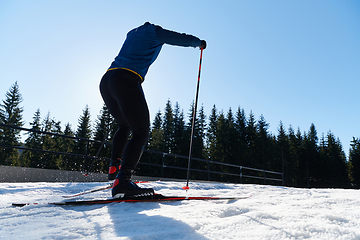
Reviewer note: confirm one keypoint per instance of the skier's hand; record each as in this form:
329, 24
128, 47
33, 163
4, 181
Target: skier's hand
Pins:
203, 44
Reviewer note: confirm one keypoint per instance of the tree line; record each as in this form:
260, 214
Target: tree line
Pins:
304, 158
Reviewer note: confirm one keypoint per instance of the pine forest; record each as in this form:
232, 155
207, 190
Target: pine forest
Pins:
305, 158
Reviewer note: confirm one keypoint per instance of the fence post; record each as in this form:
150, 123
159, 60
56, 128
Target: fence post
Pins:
240, 174
264, 177
208, 167
86, 155
163, 165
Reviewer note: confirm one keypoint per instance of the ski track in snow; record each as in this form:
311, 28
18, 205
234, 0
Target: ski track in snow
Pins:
272, 212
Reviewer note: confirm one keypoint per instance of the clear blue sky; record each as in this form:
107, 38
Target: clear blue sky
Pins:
292, 61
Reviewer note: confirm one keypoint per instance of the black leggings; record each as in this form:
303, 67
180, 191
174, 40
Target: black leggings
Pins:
124, 97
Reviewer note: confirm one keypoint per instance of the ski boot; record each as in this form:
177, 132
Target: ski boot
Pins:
123, 187
114, 169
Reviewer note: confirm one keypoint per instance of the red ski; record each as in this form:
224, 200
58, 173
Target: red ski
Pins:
156, 198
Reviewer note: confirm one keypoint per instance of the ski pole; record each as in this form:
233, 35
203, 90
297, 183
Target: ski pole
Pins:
193, 124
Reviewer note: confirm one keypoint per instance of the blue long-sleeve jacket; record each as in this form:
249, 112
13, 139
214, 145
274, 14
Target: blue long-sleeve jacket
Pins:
143, 45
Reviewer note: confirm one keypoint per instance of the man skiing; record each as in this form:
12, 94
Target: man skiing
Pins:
122, 93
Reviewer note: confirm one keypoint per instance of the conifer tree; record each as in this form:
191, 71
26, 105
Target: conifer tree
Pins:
312, 158
188, 128
301, 170
50, 143
292, 160
11, 114
80, 146
303, 173
156, 141
354, 159
229, 140
240, 128
68, 147
58, 143
219, 154
211, 137
251, 141
202, 133
336, 174
198, 141
168, 127
47, 144
199, 131
283, 156
104, 123
181, 143
33, 141
231, 153
211, 133
263, 143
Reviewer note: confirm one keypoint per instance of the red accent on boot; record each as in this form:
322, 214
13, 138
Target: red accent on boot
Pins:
116, 182
112, 169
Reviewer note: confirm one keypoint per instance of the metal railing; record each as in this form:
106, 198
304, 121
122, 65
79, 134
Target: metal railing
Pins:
240, 169
85, 155
208, 170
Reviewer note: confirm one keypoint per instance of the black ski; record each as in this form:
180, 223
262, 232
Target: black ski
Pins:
156, 198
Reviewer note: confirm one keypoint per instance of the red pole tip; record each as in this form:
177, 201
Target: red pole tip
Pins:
85, 174
186, 188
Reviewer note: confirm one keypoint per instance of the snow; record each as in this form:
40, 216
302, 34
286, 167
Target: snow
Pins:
271, 213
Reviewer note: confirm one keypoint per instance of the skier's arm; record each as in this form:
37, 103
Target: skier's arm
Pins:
178, 39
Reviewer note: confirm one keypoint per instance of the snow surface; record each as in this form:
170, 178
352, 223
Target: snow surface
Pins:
271, 213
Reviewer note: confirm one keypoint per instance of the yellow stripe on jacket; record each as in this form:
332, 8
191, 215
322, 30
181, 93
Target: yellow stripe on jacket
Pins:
127, 70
